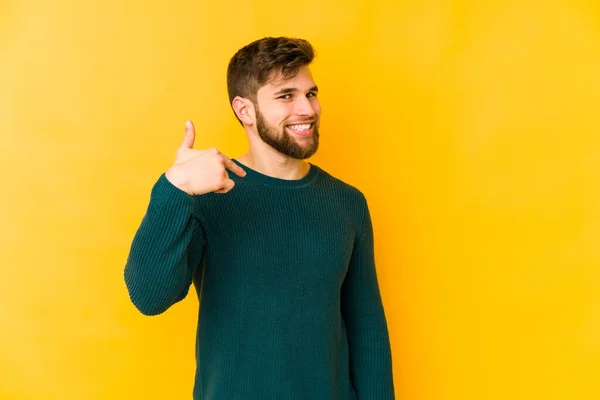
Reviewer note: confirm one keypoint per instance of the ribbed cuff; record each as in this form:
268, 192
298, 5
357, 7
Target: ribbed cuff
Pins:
165, 193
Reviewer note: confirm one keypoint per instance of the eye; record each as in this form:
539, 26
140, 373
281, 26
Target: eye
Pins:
311, 94
285, 97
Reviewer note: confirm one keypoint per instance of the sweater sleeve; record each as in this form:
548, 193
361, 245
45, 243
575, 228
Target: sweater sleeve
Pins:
166, 249
362, 309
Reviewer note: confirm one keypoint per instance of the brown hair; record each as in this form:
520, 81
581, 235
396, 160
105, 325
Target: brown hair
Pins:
254, 64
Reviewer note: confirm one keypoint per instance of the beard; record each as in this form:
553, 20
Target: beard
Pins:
284, 142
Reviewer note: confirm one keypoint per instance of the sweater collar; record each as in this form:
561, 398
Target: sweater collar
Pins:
253, 176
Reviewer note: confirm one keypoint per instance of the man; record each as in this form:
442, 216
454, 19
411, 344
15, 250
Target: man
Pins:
280, 252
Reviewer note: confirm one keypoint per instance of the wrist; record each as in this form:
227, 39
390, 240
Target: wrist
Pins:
177, 179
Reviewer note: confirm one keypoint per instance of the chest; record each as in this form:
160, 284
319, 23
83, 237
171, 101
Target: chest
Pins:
305, 240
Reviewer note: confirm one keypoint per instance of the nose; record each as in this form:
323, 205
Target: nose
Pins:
304, 107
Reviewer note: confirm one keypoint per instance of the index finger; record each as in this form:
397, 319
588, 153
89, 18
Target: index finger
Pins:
233, 167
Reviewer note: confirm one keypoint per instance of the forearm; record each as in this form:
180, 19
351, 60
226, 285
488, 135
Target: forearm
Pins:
370, 354
165, 250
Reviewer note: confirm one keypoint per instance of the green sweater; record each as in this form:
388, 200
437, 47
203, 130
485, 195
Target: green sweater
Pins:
285, 274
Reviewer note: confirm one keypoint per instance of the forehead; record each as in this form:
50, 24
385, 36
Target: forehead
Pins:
302, 81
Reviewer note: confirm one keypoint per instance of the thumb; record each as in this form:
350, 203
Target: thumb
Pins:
190, 135
227, 186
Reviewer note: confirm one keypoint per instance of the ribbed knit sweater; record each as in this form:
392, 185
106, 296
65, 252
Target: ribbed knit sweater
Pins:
284, 270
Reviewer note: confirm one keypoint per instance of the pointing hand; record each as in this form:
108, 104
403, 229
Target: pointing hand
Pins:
199, 172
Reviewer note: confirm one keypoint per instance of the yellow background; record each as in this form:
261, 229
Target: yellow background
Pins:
471, 126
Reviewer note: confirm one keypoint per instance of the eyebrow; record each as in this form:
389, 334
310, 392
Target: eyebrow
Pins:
293, 90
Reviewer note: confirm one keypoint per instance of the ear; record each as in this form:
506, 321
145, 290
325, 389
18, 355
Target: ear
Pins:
244, 109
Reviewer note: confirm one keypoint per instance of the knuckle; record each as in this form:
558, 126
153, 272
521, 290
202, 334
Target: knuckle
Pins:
219, 180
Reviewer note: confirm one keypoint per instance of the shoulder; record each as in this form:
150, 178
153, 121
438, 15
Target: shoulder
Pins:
339, 187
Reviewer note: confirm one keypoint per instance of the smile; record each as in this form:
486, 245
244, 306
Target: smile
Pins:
302, 130
300, 127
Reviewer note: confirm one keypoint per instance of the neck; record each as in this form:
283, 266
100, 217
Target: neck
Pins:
270, 162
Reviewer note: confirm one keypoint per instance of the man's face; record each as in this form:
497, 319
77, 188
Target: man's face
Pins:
287, 115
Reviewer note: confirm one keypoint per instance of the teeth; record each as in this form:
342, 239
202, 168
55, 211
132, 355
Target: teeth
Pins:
303, 127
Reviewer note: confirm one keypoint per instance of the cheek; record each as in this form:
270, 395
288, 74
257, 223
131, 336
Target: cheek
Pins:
280, 115
317, 108
315, 104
